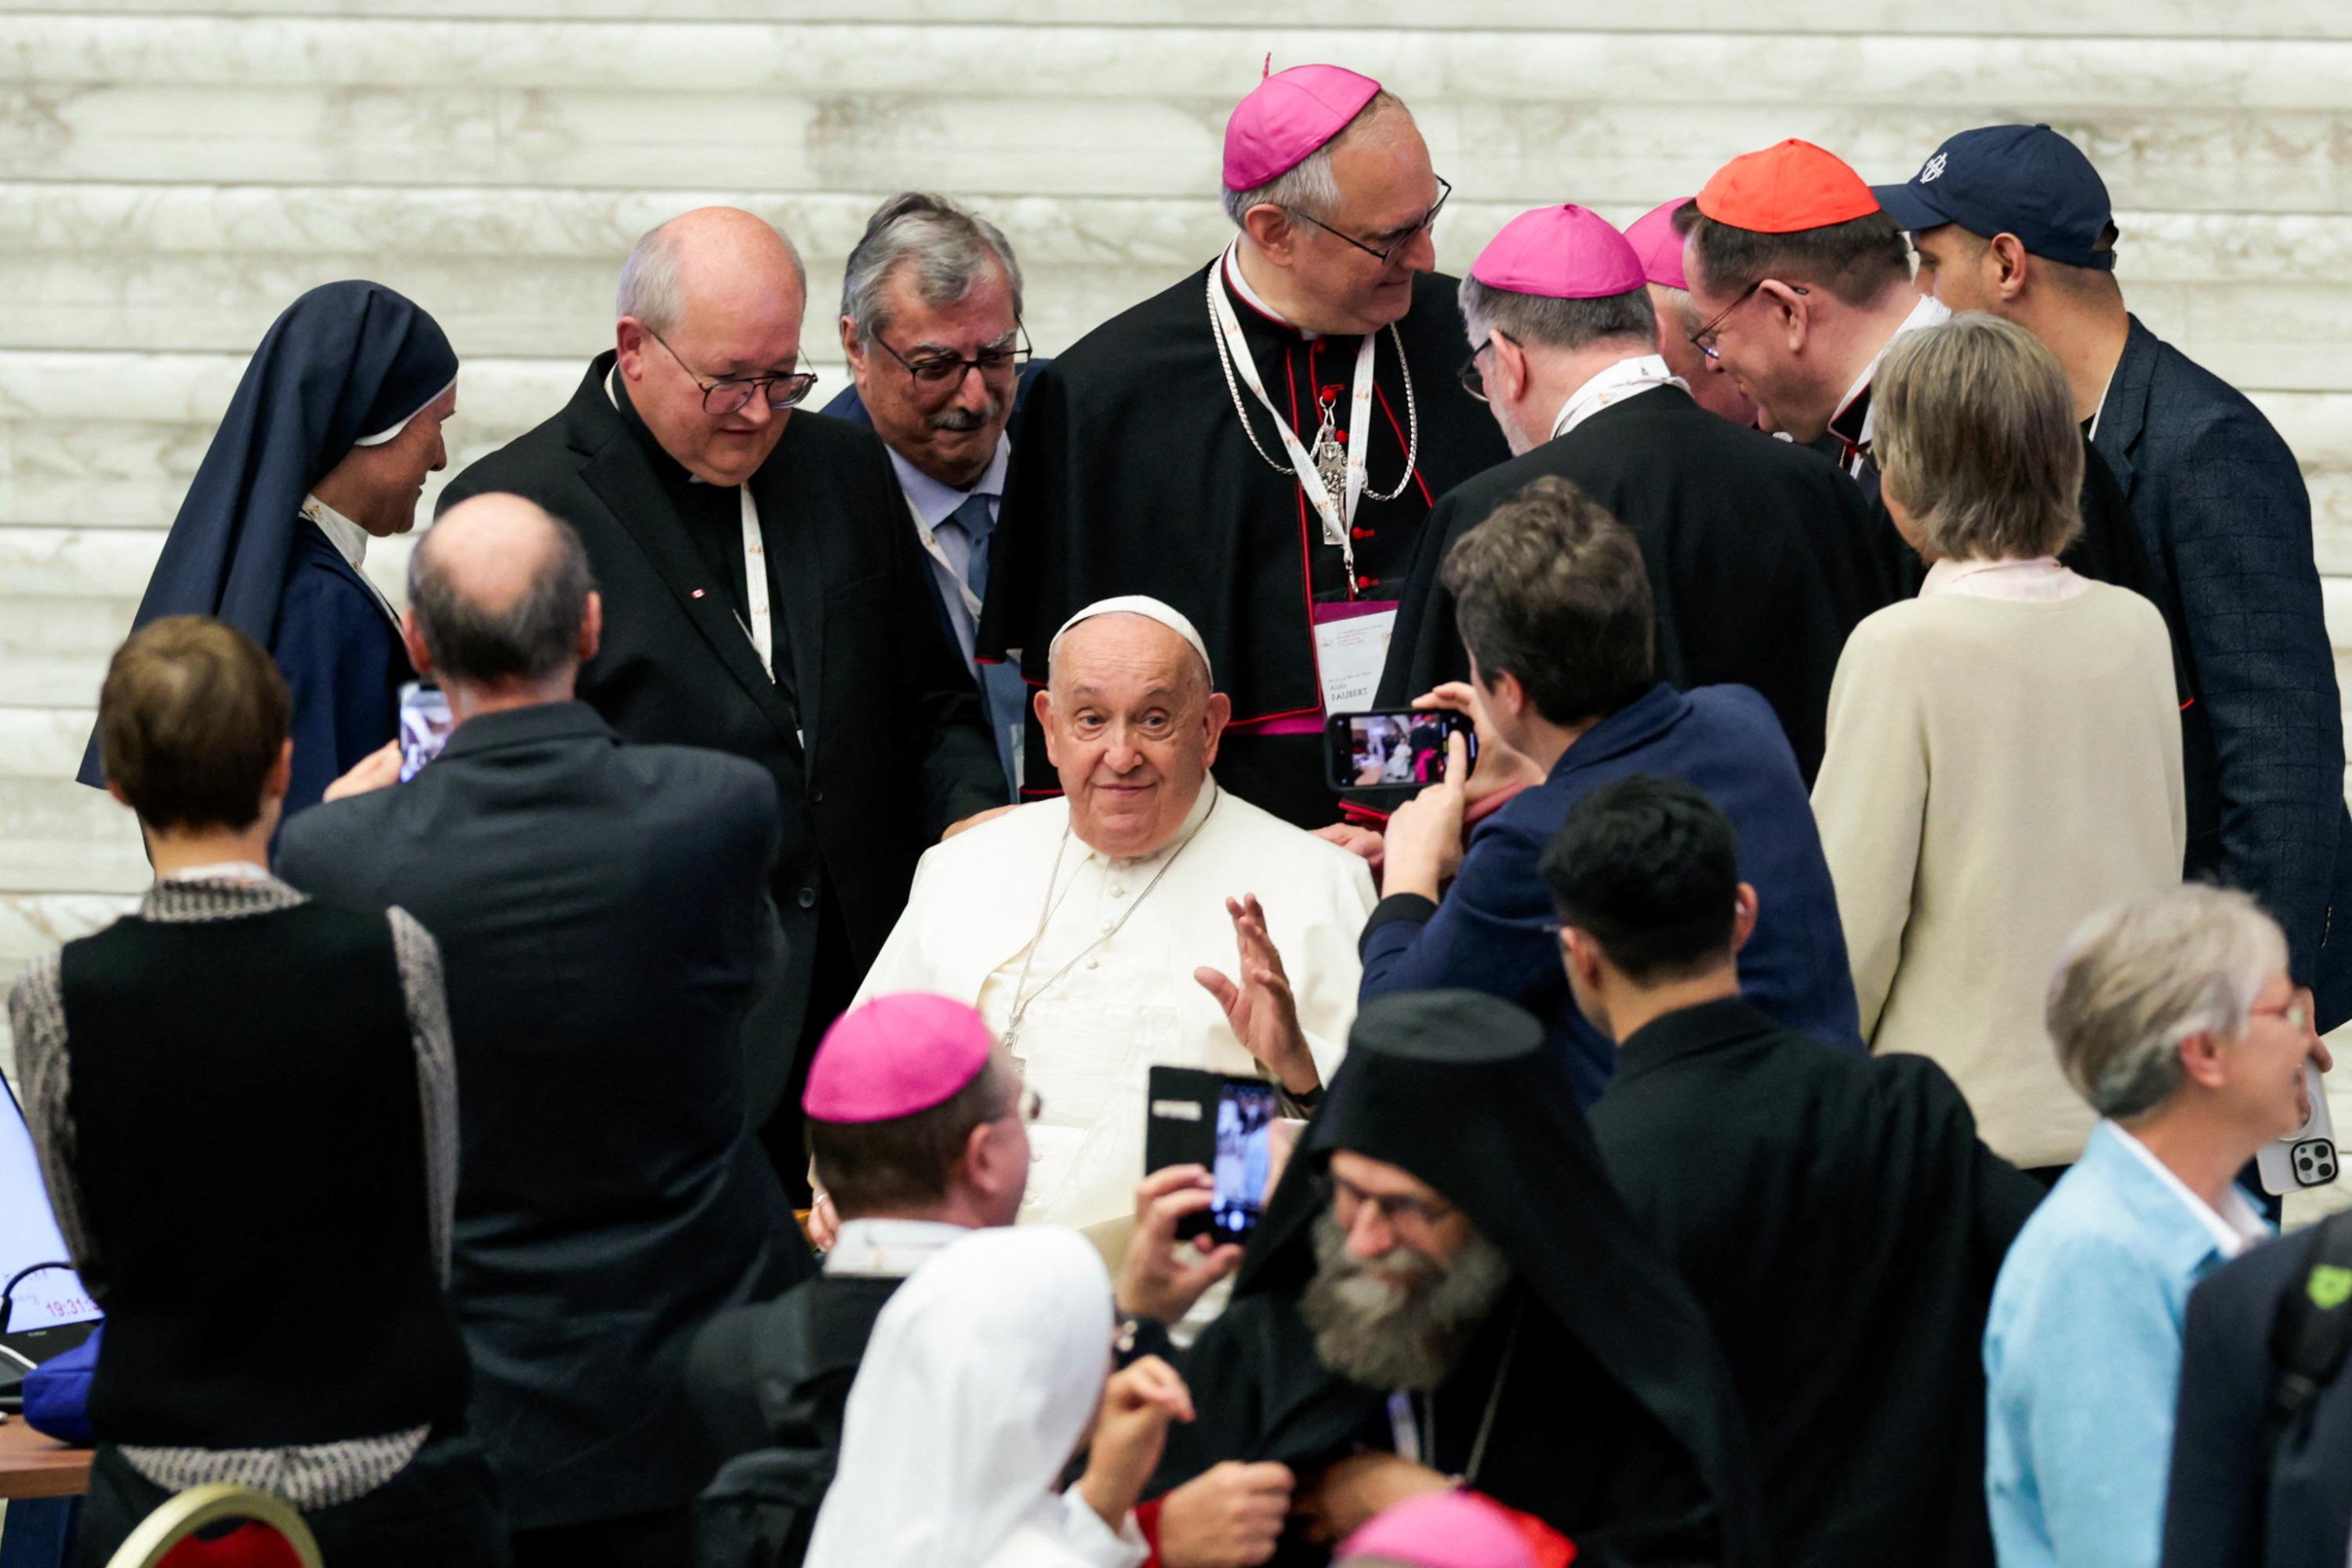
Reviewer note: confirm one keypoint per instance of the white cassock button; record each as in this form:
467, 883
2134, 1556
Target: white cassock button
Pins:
1094, 963
1116, 891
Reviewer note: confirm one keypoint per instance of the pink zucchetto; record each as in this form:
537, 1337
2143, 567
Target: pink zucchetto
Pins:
1442, 1529
1560, 253
1654, 239
1288, 116
893, 1056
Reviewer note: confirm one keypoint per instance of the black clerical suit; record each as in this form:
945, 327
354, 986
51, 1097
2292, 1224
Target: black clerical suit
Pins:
1758, 555
1841, 1225
771, 1383
871, 728
605, 925
1135, 474
1607, 1409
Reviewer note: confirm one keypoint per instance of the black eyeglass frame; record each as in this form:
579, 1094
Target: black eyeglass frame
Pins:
797, 385
1472, 379
1008, 358
1385, 258
1724, 315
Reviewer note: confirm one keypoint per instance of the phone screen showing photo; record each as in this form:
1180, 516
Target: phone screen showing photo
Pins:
1245, 1117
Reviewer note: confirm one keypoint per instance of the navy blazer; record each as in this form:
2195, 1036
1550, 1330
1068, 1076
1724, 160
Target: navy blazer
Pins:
2222, 1512
343, 662
1497, 930
2226, 523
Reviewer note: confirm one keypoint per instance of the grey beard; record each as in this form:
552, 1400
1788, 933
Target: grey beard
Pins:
1386, 1336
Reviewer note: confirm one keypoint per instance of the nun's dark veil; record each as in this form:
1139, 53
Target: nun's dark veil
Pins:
346, 361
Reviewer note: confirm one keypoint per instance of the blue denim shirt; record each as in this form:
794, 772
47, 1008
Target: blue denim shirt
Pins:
2082, 1354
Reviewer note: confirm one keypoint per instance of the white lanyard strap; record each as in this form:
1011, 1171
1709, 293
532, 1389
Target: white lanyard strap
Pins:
1615, 384
1337, 522
763, 626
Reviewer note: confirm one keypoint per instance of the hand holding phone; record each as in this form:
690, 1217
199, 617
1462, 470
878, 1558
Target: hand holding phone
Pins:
1224, 1123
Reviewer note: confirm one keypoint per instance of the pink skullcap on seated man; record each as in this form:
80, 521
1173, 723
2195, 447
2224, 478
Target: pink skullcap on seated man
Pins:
1447, 1529
893, 1056
1288, 116
1560, 253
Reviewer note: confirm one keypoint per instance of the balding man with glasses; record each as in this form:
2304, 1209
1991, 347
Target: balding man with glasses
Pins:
760, 598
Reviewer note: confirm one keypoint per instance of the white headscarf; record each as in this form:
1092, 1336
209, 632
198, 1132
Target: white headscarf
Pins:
977, 1383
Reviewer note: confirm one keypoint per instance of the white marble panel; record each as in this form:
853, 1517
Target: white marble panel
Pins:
60, 837
1791, 19
1100, 63
2204, 155
43, 743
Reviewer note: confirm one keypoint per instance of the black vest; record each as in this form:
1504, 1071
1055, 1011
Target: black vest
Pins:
250, 1155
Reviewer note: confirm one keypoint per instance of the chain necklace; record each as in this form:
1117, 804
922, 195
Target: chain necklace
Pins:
1022, 998
1233, 390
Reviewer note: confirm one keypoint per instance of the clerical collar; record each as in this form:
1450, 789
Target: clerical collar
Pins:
670, 467
935, 502
1629, 376
1249, 296
887, 1248
1857, 433
350, 542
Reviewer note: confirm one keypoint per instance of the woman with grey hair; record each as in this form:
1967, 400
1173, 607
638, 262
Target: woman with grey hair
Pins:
2004, 751
2176, 1021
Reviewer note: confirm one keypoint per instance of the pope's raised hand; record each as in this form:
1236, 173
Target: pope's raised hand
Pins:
1260, 1005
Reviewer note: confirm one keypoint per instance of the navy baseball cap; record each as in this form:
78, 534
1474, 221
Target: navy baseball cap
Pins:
2025, 180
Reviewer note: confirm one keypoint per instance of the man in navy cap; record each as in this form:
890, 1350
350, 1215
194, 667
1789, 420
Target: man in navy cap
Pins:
2014, 219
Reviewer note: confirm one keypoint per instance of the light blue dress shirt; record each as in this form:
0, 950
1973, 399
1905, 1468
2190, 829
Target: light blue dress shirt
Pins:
2081, 1355
936, 507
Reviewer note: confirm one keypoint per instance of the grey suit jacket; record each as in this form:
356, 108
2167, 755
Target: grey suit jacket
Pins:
2224, 1511
605, 925
2226, 523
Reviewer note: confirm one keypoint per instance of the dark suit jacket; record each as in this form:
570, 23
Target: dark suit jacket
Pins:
2222, 1512
344, 664
1841, 1225
1496, 932
2226, 524
604, 920
891, 747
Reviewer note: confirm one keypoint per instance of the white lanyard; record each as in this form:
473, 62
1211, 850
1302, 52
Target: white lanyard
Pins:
1337, 523
755, 585
1615, 384
932, 548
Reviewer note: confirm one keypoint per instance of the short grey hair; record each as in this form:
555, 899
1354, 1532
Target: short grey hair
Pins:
2140, 977
951, 251
1309, 186
531, 638
1975, 434
653, 278
1539, 321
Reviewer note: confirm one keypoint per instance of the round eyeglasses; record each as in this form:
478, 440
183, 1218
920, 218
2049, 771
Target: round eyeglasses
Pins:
729, 393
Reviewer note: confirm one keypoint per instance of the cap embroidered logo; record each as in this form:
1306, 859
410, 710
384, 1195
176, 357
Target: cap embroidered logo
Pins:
1934, 167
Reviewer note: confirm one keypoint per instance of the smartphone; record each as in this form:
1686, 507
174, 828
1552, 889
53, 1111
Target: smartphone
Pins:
1196, 1118
2306, 1156
425, 726
1392, 748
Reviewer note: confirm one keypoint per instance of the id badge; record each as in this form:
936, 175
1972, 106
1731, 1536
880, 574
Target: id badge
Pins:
1352, 645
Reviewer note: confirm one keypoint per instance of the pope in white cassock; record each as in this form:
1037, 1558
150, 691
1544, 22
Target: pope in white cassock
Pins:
1098, 933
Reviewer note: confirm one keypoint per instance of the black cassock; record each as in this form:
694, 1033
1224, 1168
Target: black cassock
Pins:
771, 1383
1841, 1225
1609, 1412
1134, 475
1759, 553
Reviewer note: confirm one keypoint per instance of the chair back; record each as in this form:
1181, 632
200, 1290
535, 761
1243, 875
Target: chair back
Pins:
264, 1531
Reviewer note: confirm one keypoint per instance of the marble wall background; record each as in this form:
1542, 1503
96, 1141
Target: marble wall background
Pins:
169, 181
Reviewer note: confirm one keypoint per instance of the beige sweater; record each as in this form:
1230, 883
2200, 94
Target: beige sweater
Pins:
1996, 772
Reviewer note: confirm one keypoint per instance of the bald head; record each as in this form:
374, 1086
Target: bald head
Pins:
716, 258
499, 591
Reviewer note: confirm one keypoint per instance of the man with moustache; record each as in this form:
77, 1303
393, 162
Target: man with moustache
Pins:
930, 321
760, 598
1259, 445
1421, 1309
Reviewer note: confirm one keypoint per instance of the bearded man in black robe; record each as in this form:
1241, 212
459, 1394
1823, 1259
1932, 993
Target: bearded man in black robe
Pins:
1445, 1289
1258, 445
